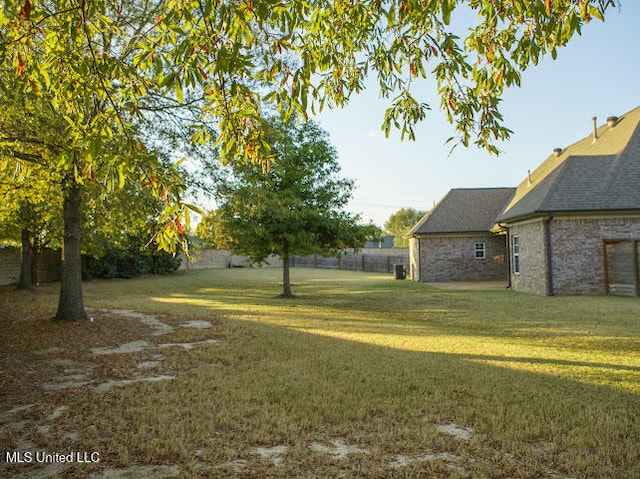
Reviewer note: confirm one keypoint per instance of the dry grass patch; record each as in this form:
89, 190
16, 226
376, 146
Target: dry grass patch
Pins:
360, 376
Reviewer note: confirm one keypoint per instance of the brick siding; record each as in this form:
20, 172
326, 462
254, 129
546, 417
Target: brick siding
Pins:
577, 254
414, 260
452, 258
533, 275
577, 248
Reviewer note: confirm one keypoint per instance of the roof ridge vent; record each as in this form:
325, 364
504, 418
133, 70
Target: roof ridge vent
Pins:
612, 121
557, 151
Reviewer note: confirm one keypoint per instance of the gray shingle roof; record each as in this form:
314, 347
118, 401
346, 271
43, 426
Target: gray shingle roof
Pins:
588, 176
382, 242
464, 210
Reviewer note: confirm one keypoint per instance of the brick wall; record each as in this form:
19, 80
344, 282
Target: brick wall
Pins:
414, 263
9, 265
50, 266
10, 262
452, 258
577, 252
578, 255
533, 274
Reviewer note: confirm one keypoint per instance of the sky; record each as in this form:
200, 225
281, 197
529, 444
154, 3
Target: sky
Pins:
596, 74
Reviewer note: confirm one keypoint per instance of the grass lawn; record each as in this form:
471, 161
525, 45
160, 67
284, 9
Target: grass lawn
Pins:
206, 374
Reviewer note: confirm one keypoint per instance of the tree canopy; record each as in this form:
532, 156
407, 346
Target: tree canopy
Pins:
211, 231
296, 206
236, 57
399, 224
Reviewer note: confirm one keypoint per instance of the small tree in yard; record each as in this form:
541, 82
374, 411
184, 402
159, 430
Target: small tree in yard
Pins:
400, 222
293, 206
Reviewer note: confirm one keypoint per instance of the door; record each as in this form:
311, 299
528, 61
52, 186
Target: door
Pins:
622, 263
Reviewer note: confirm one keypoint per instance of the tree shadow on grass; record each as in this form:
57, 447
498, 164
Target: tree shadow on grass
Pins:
270, 384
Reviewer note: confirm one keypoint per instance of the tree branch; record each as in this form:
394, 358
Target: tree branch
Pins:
37, 159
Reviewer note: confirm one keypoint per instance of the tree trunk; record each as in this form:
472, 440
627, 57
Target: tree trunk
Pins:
36, 249
25, 268
70, 305
286, 280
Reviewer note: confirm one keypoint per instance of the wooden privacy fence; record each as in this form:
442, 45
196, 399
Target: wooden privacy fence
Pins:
374, 263
622, 267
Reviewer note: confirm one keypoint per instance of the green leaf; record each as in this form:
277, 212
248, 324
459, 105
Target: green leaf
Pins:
446, 11
595, 12
178, 89
122, 178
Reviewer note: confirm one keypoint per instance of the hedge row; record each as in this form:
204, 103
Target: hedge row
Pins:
118, 263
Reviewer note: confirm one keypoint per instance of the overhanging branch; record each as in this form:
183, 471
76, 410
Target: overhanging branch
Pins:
29, 157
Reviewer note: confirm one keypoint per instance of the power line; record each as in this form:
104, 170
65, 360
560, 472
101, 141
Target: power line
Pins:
379, 205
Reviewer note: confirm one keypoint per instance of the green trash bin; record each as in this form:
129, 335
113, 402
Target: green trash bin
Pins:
399, 271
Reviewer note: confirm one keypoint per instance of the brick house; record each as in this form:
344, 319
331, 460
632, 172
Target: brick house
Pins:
574, 223
571, 227
456, 241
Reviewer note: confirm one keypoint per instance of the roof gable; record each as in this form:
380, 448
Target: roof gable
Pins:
464, 210
600, 175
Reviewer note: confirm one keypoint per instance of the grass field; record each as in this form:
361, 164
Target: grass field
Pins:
207, 374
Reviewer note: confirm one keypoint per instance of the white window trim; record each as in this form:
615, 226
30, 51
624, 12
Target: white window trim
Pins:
515, 254
483, 249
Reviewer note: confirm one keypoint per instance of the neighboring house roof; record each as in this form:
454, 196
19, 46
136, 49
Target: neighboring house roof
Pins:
600, 175
382, 242
464, 210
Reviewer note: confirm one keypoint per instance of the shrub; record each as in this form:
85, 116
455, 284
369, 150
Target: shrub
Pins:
123, 263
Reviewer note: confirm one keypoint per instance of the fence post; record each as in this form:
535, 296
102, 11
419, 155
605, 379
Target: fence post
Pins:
636, 267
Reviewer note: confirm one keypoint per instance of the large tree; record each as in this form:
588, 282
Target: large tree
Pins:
70, 118
72, 164
120, 219
295, 205
399, 224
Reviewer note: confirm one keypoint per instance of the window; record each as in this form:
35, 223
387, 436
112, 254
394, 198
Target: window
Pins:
515, 252
481, 251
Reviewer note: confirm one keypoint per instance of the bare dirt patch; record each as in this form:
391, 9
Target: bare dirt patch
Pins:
43, 364
274, 453
338, 448
458, 432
